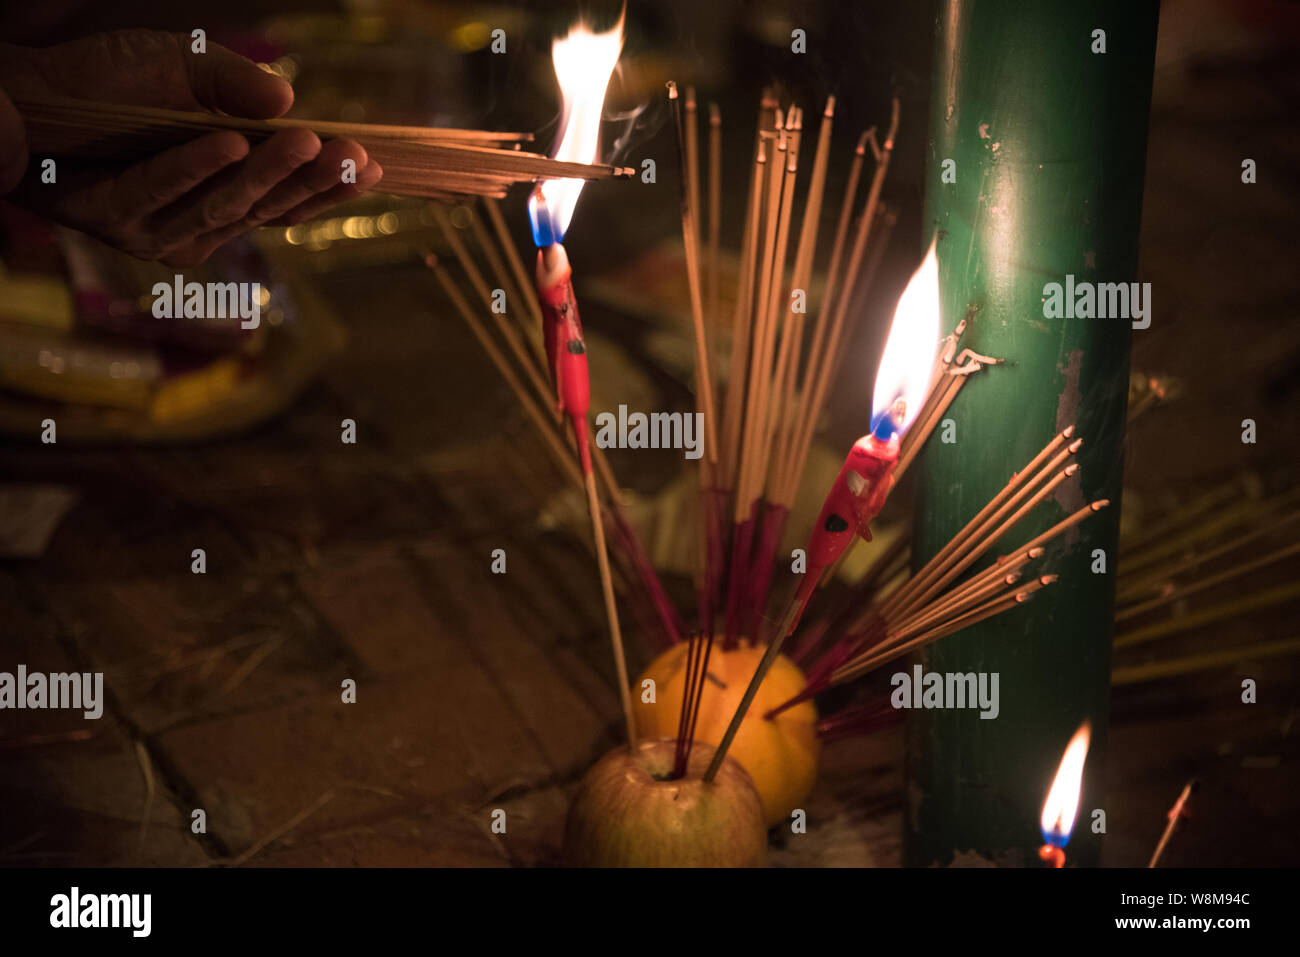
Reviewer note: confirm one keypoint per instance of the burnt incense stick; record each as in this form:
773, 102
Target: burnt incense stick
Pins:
860, 666
1016, 488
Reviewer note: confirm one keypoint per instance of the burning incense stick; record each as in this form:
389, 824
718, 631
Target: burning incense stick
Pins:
417, 161
1176, 813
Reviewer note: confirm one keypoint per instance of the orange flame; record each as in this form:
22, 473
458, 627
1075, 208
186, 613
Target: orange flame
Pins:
1062, 802
584, 62
905, 367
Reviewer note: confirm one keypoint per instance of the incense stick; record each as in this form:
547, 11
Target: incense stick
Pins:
1175, 815
859, 666
1204, 616
1231, 573
611, 607
416, 161
527, 401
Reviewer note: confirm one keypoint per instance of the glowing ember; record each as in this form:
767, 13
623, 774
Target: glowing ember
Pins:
903, 379
584, 62
1063, 799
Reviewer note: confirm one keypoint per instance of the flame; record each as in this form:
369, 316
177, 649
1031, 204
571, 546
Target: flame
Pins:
1063, 799
903, 378
584, 62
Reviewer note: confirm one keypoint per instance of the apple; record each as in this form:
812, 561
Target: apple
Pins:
780, 753
627, 813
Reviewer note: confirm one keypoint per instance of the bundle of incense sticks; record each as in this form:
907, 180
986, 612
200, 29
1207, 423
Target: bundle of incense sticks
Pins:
773, 391
513, 342
1224, 539
931, 604
417, 161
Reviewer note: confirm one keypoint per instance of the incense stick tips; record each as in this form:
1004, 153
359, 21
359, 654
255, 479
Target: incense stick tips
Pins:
715, 115
1036, 552
1067, 432
690, 99
1098, 505
1075, 445
830, 107
1072, 468
672, 89
1048, 579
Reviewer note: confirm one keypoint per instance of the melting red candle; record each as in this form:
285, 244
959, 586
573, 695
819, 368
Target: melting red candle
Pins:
584, 61
902, 382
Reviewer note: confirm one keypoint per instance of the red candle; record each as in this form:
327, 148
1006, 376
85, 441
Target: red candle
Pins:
902, 383
565, 348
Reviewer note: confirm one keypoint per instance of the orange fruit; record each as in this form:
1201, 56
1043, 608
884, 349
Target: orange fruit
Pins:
780, 754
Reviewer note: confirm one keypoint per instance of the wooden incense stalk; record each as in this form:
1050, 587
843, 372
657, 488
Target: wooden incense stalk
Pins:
1176, 813
568, 356
539, 399
417, 161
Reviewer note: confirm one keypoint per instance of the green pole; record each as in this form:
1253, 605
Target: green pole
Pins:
1047, 140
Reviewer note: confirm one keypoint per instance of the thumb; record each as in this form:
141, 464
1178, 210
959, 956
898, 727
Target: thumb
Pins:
226, 82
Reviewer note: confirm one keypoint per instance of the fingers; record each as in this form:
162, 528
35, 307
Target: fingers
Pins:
225, 81
229, 195
367, 179
312, 190
154, 183
319, 176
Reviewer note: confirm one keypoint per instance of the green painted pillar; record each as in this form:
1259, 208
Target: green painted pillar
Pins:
1048, 140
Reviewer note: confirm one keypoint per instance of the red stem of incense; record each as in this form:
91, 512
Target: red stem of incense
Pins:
742, 539
670, 622
868, 718
760, 573
1053, 856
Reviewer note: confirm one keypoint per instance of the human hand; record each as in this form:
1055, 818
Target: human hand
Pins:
181, 204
